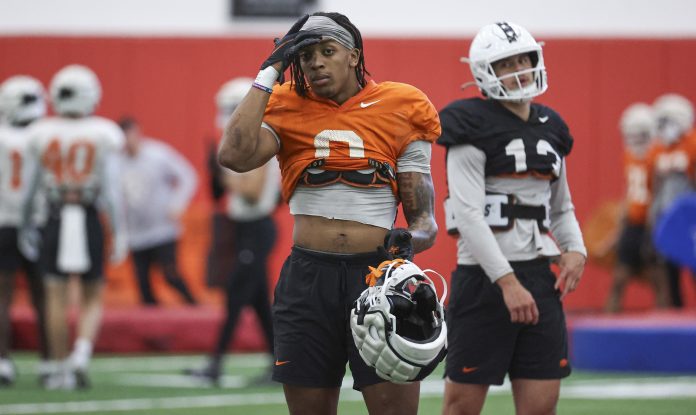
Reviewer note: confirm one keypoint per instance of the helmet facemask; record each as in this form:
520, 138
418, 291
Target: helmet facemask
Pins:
501, 41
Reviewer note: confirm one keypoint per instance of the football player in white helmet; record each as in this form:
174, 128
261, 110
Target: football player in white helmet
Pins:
22, 101
675, 117
634, 250
510, 204
246, 219
75, 91
673, 161
76, 176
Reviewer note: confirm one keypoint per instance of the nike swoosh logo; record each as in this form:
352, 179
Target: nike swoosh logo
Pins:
367, 104
466, 369
281, 363
543, 119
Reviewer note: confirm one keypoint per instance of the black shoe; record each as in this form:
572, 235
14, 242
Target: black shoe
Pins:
206, 374
8, 373
82, 380
6, 381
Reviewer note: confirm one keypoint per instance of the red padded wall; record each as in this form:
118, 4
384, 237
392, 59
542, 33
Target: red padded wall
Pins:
169, 84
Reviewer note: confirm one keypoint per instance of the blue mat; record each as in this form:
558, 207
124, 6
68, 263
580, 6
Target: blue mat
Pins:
675, 232
618, 346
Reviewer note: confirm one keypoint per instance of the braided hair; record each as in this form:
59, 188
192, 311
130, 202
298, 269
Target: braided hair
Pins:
298, 81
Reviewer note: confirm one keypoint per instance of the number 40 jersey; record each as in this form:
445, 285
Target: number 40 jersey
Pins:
73, 155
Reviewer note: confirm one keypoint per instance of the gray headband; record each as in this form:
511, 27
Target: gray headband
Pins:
326, 27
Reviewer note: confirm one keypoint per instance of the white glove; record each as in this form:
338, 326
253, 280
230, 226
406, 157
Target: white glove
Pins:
119, 248
29, 243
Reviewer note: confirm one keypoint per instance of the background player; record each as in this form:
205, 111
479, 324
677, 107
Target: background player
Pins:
73, 161
252, 197
22, 101
635, 255
673, 161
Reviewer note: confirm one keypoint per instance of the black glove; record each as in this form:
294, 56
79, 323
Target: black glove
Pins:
301, 41
282, 46
397, 242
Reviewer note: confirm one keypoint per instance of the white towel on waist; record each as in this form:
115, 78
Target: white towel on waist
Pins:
73, 251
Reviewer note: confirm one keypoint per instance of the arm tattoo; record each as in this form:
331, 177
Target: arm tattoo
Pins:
417, 199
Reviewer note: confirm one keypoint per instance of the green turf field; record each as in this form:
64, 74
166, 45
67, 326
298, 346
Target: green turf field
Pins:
153, 385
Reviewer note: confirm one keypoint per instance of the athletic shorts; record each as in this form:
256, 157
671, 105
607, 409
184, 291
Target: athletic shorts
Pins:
631, 247
48, 259
11, 258
311, 319
484, 346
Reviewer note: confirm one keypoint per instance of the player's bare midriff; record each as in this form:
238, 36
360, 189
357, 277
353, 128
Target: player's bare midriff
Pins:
339, 236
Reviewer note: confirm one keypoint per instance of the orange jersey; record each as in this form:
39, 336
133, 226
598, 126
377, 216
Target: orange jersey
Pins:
637, 173
378, 124
677, 158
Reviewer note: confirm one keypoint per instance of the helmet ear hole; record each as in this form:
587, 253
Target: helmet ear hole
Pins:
400, 306
426, 301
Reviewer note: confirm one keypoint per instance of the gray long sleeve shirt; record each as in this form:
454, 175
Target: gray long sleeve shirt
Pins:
158, 183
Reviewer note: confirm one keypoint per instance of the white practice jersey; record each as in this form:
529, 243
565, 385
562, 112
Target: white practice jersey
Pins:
74, 154
13, 174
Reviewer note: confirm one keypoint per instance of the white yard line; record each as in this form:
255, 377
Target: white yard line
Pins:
154, 363
116, 405
603, 389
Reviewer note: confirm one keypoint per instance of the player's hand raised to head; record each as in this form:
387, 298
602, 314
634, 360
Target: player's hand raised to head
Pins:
286, 47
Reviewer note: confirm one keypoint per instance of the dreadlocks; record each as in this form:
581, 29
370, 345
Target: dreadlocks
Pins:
298, 80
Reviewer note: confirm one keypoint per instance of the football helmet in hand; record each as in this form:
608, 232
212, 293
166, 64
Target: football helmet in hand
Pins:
398, 323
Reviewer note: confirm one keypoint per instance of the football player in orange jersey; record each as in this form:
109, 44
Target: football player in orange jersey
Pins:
638, 127
673, 163
349, 150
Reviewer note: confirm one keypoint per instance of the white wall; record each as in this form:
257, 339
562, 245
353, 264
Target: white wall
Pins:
615, 18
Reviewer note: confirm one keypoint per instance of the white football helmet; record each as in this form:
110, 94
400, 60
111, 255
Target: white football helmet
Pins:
228, 97
75, 90
398, 325
502, 40
638, 127
675, 117
22, 100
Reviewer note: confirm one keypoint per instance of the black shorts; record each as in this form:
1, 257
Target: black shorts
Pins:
484, 346
631, 250
311, 319
48, 258
11, 259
